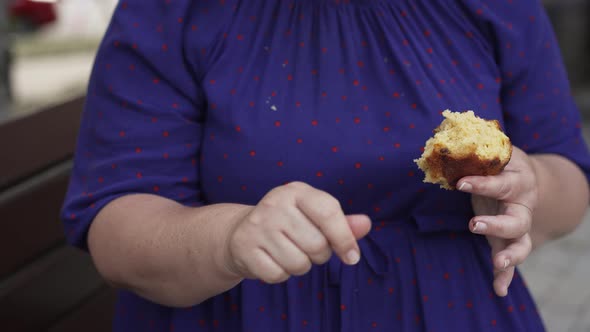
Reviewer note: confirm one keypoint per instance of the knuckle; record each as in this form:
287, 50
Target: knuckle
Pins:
275, 277
505, 190
265, 213
500, 227
296, 185
331, 202
528, 243
282, 195
301, 266
322, 257
274, 198
524, 225
330, 207
258, 216
327, 214
319, 249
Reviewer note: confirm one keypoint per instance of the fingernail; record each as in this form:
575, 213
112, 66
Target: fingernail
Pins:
479, 227
353, 257
506, 263
466, 186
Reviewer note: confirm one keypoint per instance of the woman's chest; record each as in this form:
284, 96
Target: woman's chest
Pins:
343, 110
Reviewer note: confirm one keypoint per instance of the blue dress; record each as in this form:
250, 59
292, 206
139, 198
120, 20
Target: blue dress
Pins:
213, 101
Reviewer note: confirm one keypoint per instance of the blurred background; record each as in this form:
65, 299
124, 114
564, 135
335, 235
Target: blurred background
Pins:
46, 54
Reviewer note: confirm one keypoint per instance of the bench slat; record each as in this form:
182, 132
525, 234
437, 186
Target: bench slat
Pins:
32, 142
96, 315
59, 288
29, 217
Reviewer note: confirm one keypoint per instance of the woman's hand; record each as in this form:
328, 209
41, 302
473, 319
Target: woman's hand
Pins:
291, 228
504, 206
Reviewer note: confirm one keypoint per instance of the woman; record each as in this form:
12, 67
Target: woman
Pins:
228, 148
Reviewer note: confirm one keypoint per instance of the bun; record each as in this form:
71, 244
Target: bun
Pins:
464, 144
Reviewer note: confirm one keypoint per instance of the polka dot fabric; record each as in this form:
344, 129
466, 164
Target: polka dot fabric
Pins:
216, 101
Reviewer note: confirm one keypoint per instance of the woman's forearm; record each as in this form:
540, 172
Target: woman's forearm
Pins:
172, 254
563, 197
163, 251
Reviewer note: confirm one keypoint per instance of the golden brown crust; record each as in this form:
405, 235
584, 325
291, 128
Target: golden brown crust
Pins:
464, 145
497, 123
449, 169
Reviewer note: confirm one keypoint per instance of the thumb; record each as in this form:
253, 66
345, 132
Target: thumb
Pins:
359, 224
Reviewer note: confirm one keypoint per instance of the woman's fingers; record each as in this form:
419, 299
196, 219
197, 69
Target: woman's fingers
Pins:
506, 255
515, 223
260, 265
503, 272
360, 225
326, 213
513, 254
508, 186
504, 205
500, 187
293, 227
306, 236
502, 279
287, 254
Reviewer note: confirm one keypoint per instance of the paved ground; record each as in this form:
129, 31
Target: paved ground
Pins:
558, 273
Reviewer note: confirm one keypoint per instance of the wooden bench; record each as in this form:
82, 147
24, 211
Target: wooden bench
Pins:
45, 285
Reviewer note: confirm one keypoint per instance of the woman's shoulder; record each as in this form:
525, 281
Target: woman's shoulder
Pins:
206, 28
513, 13
509, 23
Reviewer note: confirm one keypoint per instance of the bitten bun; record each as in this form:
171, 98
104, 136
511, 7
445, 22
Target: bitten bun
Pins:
464, 144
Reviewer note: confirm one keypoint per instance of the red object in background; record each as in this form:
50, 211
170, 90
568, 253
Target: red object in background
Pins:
36, 13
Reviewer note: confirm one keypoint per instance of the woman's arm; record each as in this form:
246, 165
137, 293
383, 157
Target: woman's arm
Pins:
163, 251
563, 197
180, 256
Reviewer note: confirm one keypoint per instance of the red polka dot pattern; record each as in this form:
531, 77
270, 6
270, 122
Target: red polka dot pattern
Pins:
216, 101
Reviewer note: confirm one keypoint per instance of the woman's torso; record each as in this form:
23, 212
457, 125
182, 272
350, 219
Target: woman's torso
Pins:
339, 95
343, 95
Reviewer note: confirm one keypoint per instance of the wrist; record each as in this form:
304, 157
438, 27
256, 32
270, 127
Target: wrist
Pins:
223, 256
